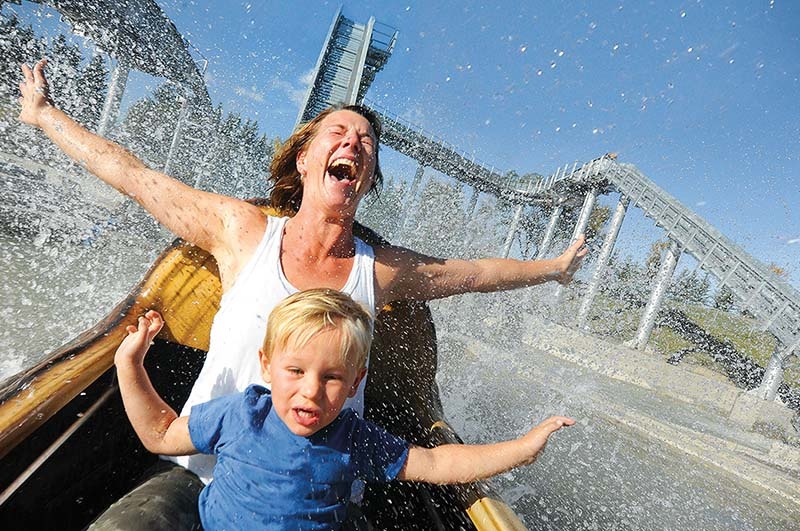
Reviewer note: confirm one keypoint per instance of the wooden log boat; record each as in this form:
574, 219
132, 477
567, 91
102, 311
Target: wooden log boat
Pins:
67, 451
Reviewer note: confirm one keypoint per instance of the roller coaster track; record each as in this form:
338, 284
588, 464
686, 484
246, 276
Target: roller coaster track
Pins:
759, 290
353, 53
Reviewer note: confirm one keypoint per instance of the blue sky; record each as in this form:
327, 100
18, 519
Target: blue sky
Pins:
699, 95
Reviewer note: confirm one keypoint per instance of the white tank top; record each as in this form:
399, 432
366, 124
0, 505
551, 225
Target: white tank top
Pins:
237, 331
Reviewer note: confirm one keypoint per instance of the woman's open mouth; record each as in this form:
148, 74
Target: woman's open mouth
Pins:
343, 169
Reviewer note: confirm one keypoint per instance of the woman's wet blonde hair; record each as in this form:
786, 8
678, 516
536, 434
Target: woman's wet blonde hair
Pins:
287, 187
303, 315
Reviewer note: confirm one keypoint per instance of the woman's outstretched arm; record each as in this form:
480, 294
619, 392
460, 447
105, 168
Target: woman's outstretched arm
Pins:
196, 216
405, 274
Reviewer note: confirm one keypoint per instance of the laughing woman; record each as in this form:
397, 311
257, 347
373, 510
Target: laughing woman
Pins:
320, 175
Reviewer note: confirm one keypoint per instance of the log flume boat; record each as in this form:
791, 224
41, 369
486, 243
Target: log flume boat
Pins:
67, 450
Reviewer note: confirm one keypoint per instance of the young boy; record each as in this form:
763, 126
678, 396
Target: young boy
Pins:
289, 456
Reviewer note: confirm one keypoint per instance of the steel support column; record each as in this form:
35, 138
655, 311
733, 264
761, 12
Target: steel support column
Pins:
116, 88
580, 226
602, 260
586, 213
473, 202
471, 205
547, 240
668, 262
512, 231
773, 377
409, 200
177, 135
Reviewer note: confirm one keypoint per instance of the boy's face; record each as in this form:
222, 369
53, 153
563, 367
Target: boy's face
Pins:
310, 384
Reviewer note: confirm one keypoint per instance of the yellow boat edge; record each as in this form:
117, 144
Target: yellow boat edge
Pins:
182, 275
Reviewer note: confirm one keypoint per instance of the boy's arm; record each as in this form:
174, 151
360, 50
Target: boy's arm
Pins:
157, 425
460, 463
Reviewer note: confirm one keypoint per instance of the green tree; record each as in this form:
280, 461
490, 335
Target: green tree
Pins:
92, 92
440, 206
723, 299
382, 213
18, 44
597, 220
690, 287
653, 262
64, 74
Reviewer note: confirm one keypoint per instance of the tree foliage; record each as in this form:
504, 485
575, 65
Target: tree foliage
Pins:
723, 299
690, 287
221, 151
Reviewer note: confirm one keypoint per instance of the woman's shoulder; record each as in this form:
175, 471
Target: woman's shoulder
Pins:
246, 221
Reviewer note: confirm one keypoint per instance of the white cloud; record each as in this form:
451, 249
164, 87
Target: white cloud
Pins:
296, 92
251, 93
793, 240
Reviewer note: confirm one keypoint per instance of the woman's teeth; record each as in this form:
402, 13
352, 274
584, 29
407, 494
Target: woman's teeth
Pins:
342, 169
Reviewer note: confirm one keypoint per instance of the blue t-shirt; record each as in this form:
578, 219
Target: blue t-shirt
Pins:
266, 477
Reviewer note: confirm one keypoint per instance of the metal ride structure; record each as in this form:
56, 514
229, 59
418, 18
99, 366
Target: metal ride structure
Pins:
141, 38
351, 57
773, 301
758, 290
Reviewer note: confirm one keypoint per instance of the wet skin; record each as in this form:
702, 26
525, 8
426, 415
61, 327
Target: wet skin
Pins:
338, 165
311, 383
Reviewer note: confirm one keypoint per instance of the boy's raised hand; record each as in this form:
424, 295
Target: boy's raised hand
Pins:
536, 439
134, 347
571, 259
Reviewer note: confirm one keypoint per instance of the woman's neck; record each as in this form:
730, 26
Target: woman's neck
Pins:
319, 235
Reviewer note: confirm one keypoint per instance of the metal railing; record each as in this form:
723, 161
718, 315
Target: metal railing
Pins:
759, 290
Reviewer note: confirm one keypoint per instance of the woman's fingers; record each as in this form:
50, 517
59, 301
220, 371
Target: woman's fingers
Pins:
34, 93
38, 71
28, 73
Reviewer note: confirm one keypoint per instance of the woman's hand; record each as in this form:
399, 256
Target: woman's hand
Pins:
570, 260
35, 94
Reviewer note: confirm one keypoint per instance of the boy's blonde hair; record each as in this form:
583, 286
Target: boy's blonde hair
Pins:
301, 316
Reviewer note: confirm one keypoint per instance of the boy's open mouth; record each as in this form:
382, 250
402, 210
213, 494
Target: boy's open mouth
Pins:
305, 417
